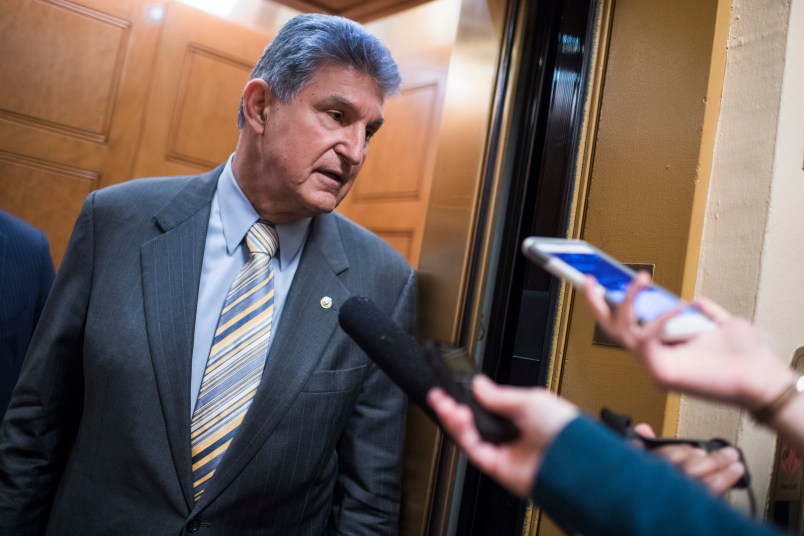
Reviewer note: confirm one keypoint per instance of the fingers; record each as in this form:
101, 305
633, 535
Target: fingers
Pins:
722, 481
499, 462
508, 401
621, 324
714, 461
653, 332
602, 311
595, 300
626, 316
457, 419
712, 310
644, 430
683, 456
718, 470
641, 280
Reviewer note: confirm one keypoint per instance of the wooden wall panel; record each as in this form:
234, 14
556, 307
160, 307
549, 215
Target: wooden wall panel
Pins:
26, 185
402, 241
402, 149
191, 118
642, 186
206, 76
391, 194
75, 79
81, 100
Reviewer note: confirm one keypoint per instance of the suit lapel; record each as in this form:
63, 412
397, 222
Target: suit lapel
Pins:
295, 350
171, 270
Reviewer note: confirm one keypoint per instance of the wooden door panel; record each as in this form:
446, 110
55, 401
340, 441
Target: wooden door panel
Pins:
391, 194
191, 119
402, 241
28, 188
203, 128
75, 76
399, 154
81, 100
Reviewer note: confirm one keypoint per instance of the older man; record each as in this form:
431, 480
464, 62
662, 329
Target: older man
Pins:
189, 374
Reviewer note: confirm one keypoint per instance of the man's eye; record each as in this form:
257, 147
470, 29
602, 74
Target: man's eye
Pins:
337, 116
370, 134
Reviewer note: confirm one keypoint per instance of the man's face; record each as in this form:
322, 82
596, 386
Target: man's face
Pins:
313, 147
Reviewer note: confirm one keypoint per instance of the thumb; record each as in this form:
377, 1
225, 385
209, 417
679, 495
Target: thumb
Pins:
505, 400
644, 430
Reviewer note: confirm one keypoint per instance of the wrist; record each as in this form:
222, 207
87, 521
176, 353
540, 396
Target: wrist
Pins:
759, 388
554, 414
780, 399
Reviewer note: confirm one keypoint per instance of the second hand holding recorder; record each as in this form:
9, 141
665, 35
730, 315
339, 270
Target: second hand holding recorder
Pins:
454, 373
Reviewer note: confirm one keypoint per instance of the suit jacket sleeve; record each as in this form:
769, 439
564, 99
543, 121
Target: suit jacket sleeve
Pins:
43, 415
26, 275
368, 491
594, 482
46, 275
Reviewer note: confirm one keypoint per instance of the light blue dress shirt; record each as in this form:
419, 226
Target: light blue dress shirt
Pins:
230, 218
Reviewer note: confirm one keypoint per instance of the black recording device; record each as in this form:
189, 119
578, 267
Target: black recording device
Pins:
454, 372
621, 424
415, 370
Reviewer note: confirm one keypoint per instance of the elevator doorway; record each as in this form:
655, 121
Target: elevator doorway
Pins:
541, 155
527, 187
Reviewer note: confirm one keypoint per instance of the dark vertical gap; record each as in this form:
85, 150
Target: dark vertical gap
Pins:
539, 163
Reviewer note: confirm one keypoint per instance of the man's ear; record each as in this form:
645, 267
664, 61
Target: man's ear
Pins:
257, 100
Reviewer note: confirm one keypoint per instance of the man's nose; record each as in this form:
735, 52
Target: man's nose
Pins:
353, 145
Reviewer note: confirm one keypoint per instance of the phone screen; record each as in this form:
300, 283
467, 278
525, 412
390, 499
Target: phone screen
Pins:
649, 304
574, 259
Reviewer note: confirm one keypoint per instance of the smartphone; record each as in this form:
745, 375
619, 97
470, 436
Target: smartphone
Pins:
453, 372
575, 259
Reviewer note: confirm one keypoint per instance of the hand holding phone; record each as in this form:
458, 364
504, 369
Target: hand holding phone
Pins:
454, 372
575, 259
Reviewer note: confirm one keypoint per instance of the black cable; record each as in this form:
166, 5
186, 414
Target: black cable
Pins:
621, 424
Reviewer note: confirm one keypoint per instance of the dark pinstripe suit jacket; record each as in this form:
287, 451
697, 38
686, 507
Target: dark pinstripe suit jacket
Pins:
96, 440
26, 275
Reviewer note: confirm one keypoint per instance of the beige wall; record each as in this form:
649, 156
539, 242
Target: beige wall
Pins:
753, 240
648, 180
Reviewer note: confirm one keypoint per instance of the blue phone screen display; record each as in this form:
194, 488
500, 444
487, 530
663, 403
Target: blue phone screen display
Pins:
649, 304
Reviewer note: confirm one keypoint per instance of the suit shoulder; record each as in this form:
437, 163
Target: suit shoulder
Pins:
24, 237
145, 197
141, 190
361, 238
18, 230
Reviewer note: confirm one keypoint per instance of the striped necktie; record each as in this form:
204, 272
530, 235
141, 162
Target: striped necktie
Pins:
236, 359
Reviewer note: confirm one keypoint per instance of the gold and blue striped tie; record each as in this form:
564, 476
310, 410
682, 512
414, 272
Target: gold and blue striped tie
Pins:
236, 359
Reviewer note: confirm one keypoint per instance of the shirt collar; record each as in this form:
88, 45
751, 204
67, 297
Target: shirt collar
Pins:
237, 216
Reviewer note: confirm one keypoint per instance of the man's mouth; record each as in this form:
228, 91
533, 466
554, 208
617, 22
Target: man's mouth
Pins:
334, 175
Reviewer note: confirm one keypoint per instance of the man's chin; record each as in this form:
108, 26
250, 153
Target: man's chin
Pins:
324, 203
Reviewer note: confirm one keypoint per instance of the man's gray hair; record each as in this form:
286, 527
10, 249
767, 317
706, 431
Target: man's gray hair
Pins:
309, 42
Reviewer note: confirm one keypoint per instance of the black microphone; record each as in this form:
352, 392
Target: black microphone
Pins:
393, 350
401, 358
